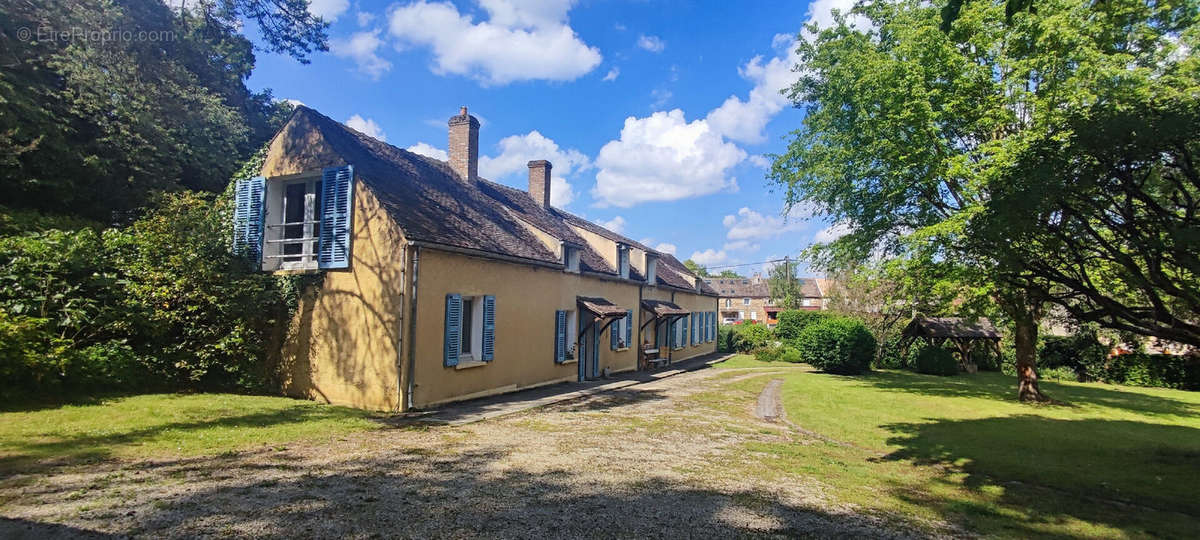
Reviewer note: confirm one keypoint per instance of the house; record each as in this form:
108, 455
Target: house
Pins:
749, 298
431, 284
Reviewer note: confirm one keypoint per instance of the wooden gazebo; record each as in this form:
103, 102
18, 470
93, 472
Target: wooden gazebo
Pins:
963, 333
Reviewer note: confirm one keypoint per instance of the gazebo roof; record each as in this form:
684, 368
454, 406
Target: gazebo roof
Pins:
952, 327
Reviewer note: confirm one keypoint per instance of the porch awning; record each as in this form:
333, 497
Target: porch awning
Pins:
663, 308
601, 307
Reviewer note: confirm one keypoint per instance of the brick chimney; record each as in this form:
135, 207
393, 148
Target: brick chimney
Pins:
464, 146
539, 181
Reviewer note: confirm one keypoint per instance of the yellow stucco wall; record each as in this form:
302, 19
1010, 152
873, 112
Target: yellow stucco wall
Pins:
341, 346
526, 300
693, 303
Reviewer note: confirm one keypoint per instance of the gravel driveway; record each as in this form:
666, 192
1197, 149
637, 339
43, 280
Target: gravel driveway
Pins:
641, 462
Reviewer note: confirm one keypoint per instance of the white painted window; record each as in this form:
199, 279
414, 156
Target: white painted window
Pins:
572, 333
651, 269
741, 315
754, 315
292, 223
810, 302
745, 301
470, 347
623, 260
571, 258
620, 328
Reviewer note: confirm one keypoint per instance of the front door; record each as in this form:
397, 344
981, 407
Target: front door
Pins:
589, 348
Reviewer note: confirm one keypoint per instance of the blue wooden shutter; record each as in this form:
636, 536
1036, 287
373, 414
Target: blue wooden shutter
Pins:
489, 328
629, 327
712, 325
248, 213
450, 349
560, 336
337, 194
683, 331
695, 328
612, 333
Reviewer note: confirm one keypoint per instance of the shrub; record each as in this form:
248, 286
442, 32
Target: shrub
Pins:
791, 355
725, 335
770, 353
748, 337
1060, 373
793, 321
935, 361
891, 355
837, 345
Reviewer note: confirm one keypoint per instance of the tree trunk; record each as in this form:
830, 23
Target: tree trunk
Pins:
1025, 336
1025, 312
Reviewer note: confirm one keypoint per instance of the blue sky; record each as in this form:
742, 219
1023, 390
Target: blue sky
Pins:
656, 115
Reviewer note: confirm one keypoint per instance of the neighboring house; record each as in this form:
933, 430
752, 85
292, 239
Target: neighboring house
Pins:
749, 298
437, 285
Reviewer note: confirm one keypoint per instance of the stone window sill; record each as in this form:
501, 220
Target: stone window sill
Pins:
468, 364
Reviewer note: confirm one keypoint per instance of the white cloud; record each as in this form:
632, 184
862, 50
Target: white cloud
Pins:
616, 224
663, 157
362, 47
516, 151
612, 74
429, 150
365, 18
744, 121
831, 233
328, 10
750, 225
740, 245
760, 161
651, 43
666, 248
709, 257
519, 41
367, 126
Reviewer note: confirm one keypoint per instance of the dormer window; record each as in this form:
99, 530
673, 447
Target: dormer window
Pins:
571, 258
295, 222
623, 261
651, 269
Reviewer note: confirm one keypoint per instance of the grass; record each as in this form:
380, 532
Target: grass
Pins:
158, 425
1115, 462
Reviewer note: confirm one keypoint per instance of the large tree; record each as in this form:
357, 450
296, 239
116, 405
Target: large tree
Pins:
936, 147
103, 103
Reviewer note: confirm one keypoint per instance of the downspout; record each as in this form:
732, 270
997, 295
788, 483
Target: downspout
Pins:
412, 331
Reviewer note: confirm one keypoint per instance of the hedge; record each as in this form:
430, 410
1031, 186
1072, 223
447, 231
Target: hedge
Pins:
837, 345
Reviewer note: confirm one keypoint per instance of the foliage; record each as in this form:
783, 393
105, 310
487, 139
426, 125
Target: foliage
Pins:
777, 353
725, 338
727, 273
793, 321
1036, 155
1081, 351
696, 268
837, 345
783, 282
161, 304
935, 361
89, 127
748, 337
892, 356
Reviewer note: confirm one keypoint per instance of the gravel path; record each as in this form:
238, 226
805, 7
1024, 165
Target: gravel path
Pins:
769, 408
643, 462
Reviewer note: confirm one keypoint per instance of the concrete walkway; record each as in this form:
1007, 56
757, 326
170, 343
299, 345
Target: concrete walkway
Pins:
466, 412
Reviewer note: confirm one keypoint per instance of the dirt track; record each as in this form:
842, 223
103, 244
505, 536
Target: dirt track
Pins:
641, 462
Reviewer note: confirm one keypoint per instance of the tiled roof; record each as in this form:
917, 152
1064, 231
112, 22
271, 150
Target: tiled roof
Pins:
757, 287
662, 308
602, 307
429, 203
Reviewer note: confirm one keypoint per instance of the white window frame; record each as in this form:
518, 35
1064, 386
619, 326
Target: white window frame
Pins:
754, 315
619, 327
572, 337
273, 225
571, 256
476, 354
741, 315
623, 261
745, 301
651, 269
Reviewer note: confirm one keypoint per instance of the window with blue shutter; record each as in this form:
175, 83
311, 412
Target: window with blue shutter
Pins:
712, 325
560, 336
248, 214
614, 330
337, 194
453, 332
683, 331
695, 328
489, 328
629, 327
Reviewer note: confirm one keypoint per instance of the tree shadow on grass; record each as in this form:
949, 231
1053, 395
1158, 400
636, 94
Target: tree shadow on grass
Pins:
27, 455
996, 386
1103, 471
443, 492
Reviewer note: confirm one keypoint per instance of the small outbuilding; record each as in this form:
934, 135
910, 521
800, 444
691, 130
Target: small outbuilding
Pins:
965, 334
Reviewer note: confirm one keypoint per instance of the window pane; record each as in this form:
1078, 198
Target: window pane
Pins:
293, 211
468, 316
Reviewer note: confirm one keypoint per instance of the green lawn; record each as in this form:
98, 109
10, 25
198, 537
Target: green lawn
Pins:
1116, 461
167, 425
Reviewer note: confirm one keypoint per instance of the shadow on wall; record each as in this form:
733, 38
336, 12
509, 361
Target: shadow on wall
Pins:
351, 324
439, 492
1001, 387
1095, 465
